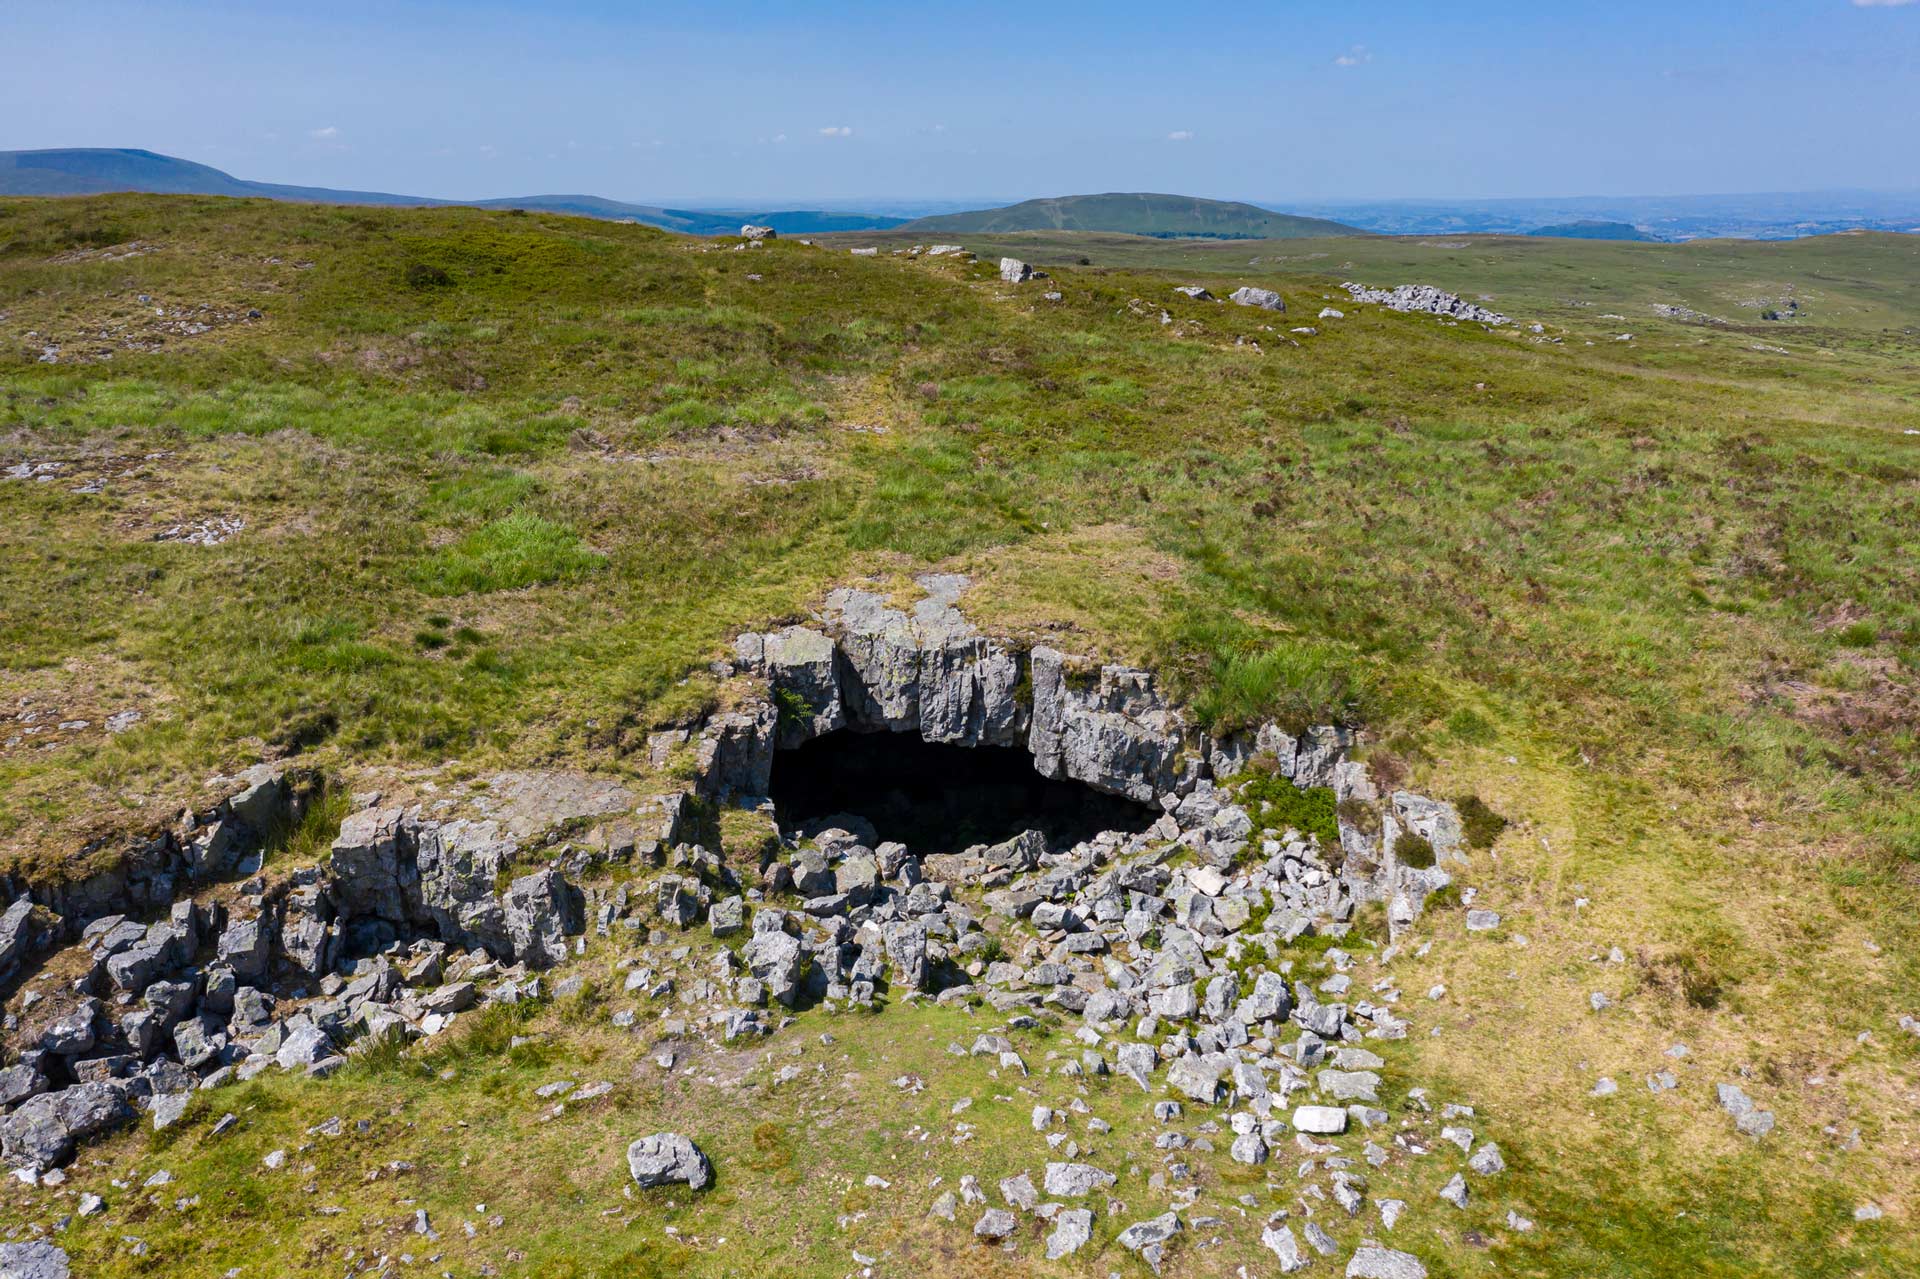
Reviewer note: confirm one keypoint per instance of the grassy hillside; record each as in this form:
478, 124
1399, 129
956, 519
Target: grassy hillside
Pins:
1852, 288
505, 484
1133, 214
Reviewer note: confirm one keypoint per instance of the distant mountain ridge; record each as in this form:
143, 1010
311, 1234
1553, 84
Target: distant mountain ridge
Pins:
1136, 213
99, 170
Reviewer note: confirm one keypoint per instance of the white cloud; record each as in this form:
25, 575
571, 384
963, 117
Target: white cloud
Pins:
326, 133
779, 137
1354, 57
1883, 4
1180, 135
836, 131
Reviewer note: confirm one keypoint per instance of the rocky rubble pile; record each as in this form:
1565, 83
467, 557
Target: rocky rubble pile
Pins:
1426, 299
423, 911
1174, 950
401, 930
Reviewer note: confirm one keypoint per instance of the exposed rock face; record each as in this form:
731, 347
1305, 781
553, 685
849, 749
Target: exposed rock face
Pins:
801, 667
874, 667
414, 873
1115, 735
667, 1158
735, 753
150, 872
1014, 271
749, 231
16, 928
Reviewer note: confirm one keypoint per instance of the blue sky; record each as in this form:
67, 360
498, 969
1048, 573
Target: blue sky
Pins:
745, 102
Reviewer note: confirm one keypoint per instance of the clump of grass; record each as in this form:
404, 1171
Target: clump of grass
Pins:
1361, 816
1413, 850
422, 275
310, 838
1276, 804
1481, 825
792, 709
1857, 635
1293, 685
583, 1006
520, 550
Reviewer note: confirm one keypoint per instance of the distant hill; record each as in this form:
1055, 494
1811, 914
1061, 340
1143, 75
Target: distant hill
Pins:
97, 170
1594, 231
1165, 216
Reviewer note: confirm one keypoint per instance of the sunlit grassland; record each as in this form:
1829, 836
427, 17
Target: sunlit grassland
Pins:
1654, 601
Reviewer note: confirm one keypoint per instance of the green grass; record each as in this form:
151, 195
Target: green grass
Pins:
517, 550
1651, 602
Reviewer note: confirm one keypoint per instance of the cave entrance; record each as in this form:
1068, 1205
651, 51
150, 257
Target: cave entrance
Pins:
936, 797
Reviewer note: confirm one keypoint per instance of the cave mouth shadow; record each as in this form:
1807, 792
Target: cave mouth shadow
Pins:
936, 797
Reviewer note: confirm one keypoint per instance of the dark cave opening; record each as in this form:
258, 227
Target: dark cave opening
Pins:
935, 797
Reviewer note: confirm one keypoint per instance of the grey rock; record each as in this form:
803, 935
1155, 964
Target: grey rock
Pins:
1149, 1238
1249, 1148
1136, 1062
1269, 1001
1369, 1262
73, 1033
1072, 1229
906, 945
135, 968
16, 930
1747, 1117
728, 916
1436, 822
1321, 1120
1265, 299
1014, 271
245, 947
801, 666
775, 958
307, 939
540, 913
1350, 1085
19, 1082
198, 1041
1196, 1076
304, 1045
995, 1223
1455, 1191
1116, 736
735, 752
1487, 1161
42, 1132
667, 1158
1076, 1181
168, 1107
1280, 1241
36, 1260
